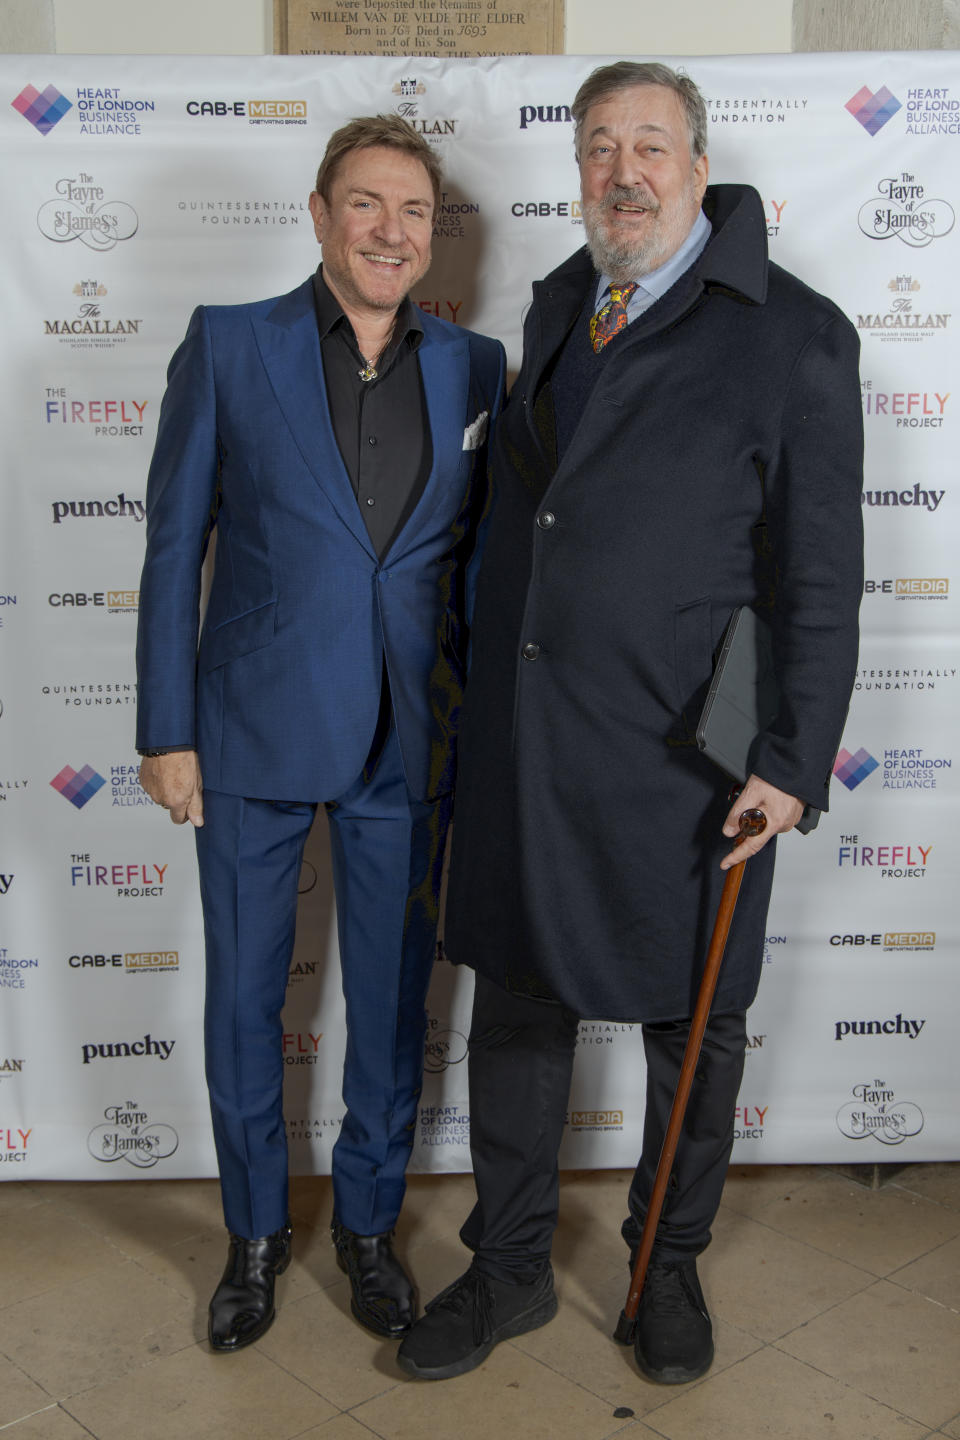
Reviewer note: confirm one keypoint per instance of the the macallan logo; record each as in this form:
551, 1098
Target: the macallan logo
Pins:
408, 89
901, 321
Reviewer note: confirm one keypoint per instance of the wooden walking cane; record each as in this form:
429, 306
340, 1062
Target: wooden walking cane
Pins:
752, 822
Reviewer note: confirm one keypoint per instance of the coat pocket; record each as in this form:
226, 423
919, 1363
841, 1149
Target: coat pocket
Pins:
693, 661
239, 636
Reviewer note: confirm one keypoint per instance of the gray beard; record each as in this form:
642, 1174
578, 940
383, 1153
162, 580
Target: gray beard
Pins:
622, 259
628, 258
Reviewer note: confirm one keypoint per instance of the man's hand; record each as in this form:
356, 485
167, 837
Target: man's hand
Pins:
782, 812
173, 781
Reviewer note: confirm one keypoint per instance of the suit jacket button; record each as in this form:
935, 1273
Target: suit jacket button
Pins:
531, 650
546, 520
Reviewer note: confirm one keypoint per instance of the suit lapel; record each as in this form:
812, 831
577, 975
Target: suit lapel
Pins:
445, 368
289, 345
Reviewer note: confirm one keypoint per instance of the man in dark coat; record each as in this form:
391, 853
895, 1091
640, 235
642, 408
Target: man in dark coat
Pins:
684, 438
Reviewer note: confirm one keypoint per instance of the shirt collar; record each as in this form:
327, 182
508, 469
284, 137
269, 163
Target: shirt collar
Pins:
330, 315
659, 281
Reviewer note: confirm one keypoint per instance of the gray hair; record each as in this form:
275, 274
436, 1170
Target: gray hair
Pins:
624, 75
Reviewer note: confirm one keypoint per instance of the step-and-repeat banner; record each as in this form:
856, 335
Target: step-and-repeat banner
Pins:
134, 189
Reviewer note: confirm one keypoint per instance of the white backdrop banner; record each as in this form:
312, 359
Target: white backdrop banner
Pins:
135, 189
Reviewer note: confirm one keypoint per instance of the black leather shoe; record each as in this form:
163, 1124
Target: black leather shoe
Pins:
242, 1307
463, 1323
383, 1298
673, 1340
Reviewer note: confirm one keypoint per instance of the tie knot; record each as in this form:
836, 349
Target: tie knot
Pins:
620, 294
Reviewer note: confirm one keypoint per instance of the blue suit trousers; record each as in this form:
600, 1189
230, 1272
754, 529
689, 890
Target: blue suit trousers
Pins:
387, 851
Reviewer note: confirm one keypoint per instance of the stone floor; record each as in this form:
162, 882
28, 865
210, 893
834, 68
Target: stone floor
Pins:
836, 1309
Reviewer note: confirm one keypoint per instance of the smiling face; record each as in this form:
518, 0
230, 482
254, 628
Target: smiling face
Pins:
375, 229
641, 188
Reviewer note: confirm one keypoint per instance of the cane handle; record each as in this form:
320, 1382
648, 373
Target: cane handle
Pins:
752, 822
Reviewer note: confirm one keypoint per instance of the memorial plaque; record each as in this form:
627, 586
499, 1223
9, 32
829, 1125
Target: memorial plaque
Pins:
454, 28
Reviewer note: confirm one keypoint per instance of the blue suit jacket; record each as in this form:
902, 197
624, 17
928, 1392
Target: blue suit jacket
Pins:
281, 699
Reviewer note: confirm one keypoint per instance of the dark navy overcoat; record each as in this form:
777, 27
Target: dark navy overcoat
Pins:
717, 462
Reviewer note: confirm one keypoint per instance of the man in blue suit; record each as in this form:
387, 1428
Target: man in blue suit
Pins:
335, 437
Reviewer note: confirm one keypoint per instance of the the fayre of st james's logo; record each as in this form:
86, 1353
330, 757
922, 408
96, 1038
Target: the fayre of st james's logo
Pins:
128, 1133
903, 208
442, 1046
877, 1112
82, 209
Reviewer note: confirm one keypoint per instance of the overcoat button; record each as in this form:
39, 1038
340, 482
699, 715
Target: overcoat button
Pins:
531, 650
546, 520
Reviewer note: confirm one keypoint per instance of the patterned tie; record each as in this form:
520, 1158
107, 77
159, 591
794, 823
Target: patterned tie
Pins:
611, 318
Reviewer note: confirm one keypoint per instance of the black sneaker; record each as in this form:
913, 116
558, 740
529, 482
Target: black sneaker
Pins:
673, 1340
461, 1326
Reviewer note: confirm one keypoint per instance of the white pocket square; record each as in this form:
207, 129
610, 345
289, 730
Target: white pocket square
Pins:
476, 433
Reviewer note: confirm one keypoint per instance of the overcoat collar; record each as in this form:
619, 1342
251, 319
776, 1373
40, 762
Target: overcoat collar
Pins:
288, 341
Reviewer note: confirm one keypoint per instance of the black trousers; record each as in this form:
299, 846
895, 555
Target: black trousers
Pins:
521, 1062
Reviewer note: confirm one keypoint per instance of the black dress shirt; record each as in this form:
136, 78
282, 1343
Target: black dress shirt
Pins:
381, 426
